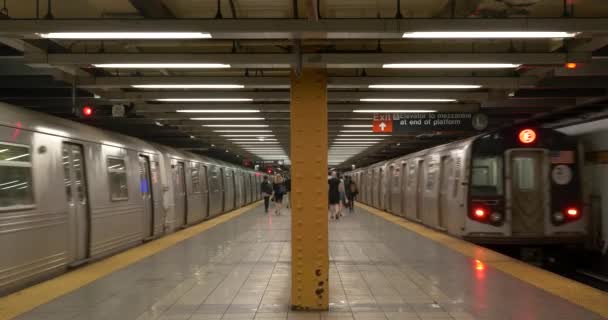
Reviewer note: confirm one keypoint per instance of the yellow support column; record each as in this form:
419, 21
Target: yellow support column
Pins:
309, 223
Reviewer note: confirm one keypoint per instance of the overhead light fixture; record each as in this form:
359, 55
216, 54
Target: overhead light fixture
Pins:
252, 139
162, 65
393, 111
217, 111
236, 125
204, 100
488, 35
405, 100
358, 139
125, 35
450, 65
226, 119
357, 142
356, 131
188, 86
256, 142
364, 135
158, 123
424, 86
358, 125
246, 135
242, 131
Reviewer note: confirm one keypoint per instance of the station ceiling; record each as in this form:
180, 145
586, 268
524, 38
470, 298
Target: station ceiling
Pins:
244, 51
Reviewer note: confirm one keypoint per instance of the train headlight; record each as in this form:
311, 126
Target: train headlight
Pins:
496, 217
558, 217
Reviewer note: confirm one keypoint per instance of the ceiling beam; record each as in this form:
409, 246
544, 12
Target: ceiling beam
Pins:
284, 96
154, 9
284, 83
302, 28
326, 60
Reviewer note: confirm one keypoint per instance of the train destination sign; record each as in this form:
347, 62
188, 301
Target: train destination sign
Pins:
431, 121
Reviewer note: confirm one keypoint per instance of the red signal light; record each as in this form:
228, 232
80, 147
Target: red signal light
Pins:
572, 212
87, 111
479, 213
571, 65
479, 266
527, 136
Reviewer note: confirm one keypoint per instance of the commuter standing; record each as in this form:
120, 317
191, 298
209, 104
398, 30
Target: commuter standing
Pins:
351, 194
288, 191
343, 200
279, 192
334, 195
266, 188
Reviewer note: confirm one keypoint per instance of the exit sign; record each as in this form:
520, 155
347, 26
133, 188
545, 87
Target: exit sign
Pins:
382, 122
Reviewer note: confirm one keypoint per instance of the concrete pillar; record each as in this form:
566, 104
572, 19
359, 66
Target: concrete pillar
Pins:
309, 223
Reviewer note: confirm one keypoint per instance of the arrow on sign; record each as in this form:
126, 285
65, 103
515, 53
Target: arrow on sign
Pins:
382, 126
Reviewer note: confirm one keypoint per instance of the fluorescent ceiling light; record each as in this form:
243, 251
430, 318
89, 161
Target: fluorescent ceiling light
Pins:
358, 139
252, 139
217, 111
424, 86
356, 131
357, 142
487, 34
226, 119
393, 111
204, 100
450, 65
241, 131
236, 125
162, 65
247, 135
364, 135
126, 35
358, 126
256, 142
188, 86
405, 100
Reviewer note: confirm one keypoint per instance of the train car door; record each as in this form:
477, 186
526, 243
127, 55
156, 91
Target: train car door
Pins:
179, 180
205, 191
419, 189
527, 191
222, 190
404, 177
447, 171
78, 206
395, 189
145, 187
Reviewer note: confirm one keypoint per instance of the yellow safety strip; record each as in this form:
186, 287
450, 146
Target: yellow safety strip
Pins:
20, 302
577, 293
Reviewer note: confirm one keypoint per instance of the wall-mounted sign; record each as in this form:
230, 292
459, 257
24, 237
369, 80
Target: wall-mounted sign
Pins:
432, 121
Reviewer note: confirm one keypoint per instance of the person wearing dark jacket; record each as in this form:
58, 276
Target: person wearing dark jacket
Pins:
351, 194
266, 189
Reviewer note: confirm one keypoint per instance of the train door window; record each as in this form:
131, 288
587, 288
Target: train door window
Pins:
117, 172
524, 169
456, 179
195, 169
67, 175
15, 176
486, 176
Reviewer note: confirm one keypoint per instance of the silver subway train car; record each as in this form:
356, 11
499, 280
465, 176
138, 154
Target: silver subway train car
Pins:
512, 186
71, 193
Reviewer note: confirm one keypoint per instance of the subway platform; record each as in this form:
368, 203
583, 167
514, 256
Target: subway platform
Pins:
239, 269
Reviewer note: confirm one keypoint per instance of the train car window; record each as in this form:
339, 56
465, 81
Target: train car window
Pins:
117, 171
195, 170
431, 174
524, 170
486, 177
15, 176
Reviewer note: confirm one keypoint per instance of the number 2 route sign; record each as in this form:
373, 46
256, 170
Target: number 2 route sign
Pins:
382, 123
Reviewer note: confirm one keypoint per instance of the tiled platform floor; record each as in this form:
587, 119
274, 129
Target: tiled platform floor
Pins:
240, 271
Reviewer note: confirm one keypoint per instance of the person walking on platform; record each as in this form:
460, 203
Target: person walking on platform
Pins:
343, 200
334, 195
288, 191
279, 192
266, 189
351, 194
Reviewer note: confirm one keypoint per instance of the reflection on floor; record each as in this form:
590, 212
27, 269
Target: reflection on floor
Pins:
240, 271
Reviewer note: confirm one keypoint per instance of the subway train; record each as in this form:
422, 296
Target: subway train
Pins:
514, 186
71, 193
